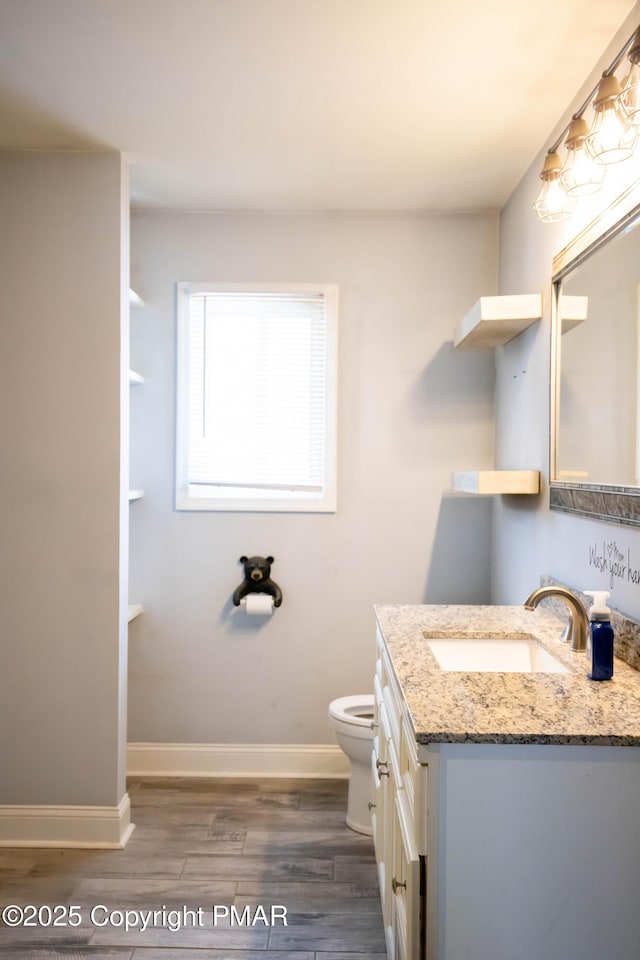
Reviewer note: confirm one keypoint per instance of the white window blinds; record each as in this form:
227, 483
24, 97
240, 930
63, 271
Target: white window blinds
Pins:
257, 396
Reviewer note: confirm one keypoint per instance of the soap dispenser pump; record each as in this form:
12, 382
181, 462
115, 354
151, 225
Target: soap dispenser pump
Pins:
601, 636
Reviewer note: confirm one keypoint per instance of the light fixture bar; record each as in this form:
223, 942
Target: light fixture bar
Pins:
581, 109
612, 138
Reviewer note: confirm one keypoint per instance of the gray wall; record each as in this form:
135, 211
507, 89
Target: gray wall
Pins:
63, 269
529, 538
411, 410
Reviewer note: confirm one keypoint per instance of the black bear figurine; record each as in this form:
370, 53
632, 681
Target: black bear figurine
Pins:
257, 579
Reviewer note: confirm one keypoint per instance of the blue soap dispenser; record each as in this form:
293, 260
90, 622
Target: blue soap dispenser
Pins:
601, 636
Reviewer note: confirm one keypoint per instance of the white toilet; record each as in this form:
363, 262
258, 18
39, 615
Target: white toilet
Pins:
352, 721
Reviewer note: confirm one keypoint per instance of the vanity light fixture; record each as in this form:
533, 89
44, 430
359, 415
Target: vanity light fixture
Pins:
612, 138
580, 175
553, 203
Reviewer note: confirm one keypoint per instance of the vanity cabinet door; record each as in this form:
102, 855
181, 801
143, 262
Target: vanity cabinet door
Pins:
379, 785
405, 883
399, 791
376, 784
414, 782
386, 775
377, 810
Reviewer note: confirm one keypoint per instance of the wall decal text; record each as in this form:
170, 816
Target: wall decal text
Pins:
609, 558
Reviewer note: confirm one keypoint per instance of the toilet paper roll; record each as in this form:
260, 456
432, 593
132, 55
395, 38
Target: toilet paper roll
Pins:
258, 604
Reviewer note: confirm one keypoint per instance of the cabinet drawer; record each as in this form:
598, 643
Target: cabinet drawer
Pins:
394, 713
377, 811
390, 677
381, 736
378, 671
409, 766
409, 748
393, 764
377, 693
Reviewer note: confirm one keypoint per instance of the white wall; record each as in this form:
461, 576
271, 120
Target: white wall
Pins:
63, 253
411, 410
529, 538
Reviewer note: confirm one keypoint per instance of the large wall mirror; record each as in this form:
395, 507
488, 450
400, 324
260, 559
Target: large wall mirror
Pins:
595, 408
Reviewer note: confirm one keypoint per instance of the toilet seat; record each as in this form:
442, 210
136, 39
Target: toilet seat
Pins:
355, 713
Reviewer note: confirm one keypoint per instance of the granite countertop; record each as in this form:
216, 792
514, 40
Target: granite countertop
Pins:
546, 708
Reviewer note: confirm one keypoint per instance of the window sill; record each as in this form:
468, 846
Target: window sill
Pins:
326, 504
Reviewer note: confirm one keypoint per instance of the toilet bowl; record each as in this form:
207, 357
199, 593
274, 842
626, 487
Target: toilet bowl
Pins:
351, 719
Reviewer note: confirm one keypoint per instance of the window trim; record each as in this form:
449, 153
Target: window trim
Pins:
327, 503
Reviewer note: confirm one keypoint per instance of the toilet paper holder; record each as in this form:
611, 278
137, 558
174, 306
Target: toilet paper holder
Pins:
257, 579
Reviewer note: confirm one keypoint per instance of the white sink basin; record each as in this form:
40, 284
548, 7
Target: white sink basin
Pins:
515, 654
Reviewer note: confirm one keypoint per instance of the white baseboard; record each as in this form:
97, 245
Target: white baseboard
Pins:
66, 826
236, 760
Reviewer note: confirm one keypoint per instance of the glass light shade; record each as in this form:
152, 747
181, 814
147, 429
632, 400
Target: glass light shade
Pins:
580, 175
610, 139
628, 102
553, 201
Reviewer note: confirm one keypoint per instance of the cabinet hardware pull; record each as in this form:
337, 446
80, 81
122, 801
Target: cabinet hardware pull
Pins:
371, 805
396, 884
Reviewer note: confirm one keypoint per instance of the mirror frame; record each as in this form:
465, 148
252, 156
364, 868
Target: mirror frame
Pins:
610, 502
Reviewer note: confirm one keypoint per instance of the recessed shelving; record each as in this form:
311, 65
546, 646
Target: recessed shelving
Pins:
493, 321
135, 379
491, 482
135, 495
134, 299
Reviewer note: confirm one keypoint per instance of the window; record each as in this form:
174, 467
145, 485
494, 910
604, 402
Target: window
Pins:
256, 403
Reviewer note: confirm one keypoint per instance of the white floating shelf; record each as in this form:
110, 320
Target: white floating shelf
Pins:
493, 321
135, 378
134, 299
489, 482
135, 495
572, 310
135, 609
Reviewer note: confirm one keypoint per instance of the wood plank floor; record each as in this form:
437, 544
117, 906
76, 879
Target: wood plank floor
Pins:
199, 844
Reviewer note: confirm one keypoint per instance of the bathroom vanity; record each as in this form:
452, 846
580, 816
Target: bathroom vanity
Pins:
506, 805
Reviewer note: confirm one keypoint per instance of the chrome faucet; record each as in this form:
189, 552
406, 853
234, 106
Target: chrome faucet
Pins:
577, 628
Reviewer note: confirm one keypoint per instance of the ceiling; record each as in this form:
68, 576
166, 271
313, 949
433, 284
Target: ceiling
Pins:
301, 104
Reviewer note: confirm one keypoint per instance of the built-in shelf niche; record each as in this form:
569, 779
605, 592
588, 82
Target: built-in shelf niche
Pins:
135, 495
135, 379
491, 482
494, 321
